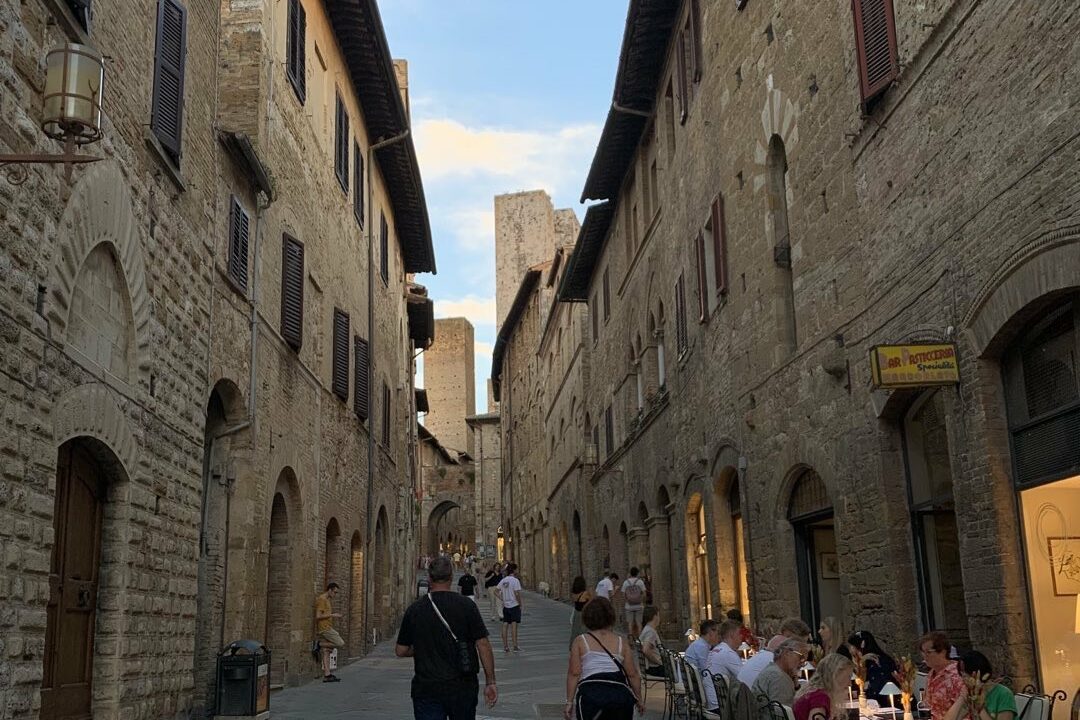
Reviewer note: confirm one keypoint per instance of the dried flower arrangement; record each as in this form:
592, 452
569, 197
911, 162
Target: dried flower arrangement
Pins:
905, 678
976, 693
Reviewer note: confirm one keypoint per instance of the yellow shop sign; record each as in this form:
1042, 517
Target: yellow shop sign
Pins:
907, 366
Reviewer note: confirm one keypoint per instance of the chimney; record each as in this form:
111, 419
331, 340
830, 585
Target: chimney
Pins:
401, 70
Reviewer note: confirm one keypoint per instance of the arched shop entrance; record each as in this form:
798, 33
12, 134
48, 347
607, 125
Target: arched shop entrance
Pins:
811, 515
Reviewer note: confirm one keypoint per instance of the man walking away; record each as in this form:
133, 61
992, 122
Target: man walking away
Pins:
510, 592
467, 584
445, 636
606, 587
633, 591
329, 638
491, 584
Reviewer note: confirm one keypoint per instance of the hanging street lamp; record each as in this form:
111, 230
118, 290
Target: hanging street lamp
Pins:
74, 79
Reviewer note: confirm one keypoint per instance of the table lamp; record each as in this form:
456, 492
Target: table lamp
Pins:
806, 669
892, 691
744, 649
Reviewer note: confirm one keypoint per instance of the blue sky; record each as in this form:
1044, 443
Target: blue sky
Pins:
505, 96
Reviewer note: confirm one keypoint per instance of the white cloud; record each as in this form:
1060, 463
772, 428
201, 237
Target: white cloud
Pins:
484, 349
479, 310
473, 228
521, 159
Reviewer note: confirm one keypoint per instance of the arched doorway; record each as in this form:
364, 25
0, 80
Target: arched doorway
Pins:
279, 590
356, 595
83, 472
817, 563
697, 558
624, 562
928, 462
1041, 375
381, 574
605, 551
579, 560
334, 570
728, 542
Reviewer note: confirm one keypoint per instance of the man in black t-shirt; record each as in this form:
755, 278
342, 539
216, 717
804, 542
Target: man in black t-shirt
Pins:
441, 688
467, 584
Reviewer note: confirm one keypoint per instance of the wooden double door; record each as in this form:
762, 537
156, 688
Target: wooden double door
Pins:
67, 690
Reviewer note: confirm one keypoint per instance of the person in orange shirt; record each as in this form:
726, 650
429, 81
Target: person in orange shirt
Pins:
329, 638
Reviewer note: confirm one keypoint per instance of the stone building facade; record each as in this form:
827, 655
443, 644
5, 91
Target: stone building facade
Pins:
487, 498
183, 466
772, 209
450, 381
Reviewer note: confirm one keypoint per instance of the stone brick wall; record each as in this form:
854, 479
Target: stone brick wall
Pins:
450, 381
525, 234
901, 224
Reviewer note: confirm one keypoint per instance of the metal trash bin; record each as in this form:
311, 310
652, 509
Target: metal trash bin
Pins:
243, 679
422, 587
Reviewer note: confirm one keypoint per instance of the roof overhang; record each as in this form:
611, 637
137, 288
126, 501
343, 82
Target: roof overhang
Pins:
649, 25
506, 330
582, 263
421, 320
243, 152
359, 31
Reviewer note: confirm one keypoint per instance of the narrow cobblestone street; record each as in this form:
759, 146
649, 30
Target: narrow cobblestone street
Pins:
531, 683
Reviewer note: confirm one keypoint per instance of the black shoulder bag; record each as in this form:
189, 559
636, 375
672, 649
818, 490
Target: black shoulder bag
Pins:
463, 657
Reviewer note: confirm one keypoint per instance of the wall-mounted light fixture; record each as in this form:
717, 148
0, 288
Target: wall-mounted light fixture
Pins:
74, 79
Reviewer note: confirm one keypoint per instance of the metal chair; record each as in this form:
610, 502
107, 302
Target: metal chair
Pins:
675, 685
723, 693
643, 662
698, 700
1033, 705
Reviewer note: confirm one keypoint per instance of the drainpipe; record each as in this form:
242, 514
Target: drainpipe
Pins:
370, 541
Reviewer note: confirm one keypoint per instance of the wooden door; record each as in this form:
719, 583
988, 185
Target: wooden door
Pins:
73, 584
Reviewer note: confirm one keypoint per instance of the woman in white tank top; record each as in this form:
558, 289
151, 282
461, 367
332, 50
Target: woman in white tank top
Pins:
602, 681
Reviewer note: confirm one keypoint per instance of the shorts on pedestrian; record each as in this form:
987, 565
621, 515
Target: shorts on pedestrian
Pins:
512, 615
633, 616
331, 638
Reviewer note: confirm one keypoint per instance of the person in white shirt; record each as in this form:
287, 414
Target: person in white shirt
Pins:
792, 628
606, 587
724, 661
698, 655
633, 591
510, 590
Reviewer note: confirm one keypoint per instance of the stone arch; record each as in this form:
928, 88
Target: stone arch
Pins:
356, 595
663, 500
224, 450
1031, 279
381, 571
434, 522
91, 410
284, 524
100, 211
91, 516
578, 544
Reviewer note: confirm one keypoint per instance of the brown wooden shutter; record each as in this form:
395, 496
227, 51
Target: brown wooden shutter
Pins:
609, 430
607, 295
684, 101
167, 113
875, 46
361, 382
239, 229
702, 278
719, 230
385, 416
292, 292
681, 340
340, 380
296, 49
384, 249
358, 184
341, 146
695, 40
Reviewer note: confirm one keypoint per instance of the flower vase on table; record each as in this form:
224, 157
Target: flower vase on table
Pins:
905, 678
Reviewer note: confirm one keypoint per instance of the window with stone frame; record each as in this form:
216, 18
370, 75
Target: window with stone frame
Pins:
386, 416
239, 231
682, 341
341, 145
167, 102
296, 49
340, 354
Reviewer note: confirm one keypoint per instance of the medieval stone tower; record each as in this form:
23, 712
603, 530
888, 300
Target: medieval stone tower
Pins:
450, 379
528, 229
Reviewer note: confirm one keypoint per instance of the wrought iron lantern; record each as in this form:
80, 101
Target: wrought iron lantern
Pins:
74, 80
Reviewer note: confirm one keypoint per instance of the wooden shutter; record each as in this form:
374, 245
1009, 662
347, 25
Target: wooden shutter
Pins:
385, 415
719, 231
875, 46
607, 295
680, 314
239, 229
296, 50
702, 278
341, 146
167, 113
361, 382
384, 248
684, 101
292, 292
340, 380
358, 184
609, 430
594, 310
695, 40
